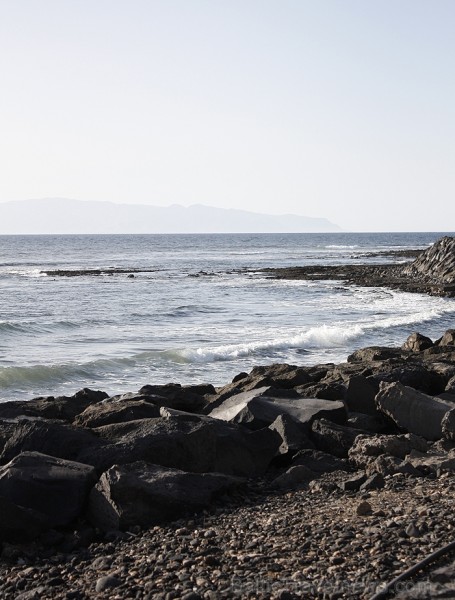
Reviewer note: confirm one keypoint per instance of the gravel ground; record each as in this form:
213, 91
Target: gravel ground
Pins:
310, 543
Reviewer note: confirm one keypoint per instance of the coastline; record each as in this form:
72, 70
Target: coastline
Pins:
328, 507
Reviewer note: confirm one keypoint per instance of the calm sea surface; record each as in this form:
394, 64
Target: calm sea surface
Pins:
196, 315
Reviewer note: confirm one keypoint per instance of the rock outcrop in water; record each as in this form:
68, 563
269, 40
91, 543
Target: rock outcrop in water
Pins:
432, 272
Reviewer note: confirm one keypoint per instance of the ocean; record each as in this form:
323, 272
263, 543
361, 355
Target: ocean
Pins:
197, 311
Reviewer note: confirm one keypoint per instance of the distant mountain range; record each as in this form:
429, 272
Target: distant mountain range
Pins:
61, 215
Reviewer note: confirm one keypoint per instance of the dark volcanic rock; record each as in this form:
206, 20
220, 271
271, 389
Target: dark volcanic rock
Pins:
63, 408
56, 489
187, 442
432, 272
144, 494
413, 411
367, 447
119, 411
52, 438
333, 438
417, 342
293, 434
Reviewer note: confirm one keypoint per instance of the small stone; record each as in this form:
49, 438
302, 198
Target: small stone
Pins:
107, 582
364, 508
413, 531
374, 482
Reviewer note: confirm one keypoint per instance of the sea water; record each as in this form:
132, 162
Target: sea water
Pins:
199, 311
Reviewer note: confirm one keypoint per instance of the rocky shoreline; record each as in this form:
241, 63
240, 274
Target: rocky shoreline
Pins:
432, 272
290, 482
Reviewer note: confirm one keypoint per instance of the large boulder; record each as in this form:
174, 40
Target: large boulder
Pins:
145, 494
333, 438
189, 398
448, 339
53, 489
116, 411
293, 434
256, 409
367, 448
52, 438
417, 342
412, 410
188, 442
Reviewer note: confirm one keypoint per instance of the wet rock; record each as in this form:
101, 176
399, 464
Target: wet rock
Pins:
448, 339
417, 342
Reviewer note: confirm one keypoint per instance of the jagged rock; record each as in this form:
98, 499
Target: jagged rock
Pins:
373, 482
188, 442
352, 484
412, 410
436, 264
448, 425
374, 354
189, 398
448, 339
116, 411
369, 423
63, 408
294, 478
292, 433
415, 375
145, 494
53, 488
319, 462
434, 461
417, 342
333, 438
48, 437
256, 409
323, 390
387, 465
365, 447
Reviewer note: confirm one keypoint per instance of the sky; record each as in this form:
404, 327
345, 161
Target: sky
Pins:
342, 109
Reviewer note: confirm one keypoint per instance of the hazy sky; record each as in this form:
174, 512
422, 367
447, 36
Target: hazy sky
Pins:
343, 109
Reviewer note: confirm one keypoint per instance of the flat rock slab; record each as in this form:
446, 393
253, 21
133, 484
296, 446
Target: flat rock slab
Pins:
145, 494
256, 410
